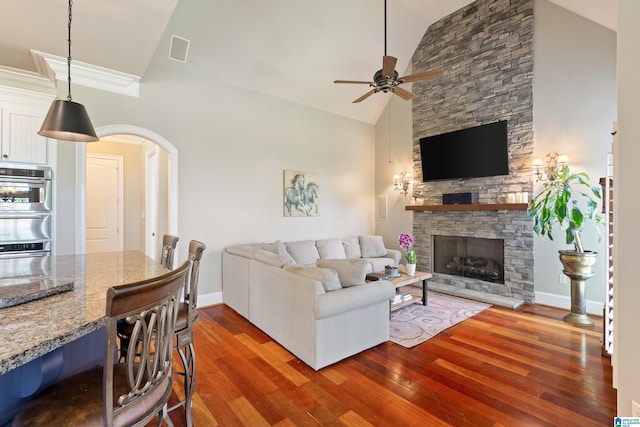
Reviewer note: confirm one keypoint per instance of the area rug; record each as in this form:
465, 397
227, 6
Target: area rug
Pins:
417, 323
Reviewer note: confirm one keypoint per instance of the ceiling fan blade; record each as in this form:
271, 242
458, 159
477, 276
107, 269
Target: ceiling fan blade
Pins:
365, 96
404, 94
431, 74
388, 65
352, 81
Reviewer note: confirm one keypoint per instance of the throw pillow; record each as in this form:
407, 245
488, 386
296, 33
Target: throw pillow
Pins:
328, 277
331, 249
271, 258
351, 271
303, 252
282, 251
352, 248
372, 246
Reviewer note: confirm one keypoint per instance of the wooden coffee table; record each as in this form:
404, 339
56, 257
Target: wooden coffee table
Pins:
405, 280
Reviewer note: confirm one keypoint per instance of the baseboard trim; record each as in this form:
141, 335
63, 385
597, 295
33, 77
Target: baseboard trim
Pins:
212, 298
563, 301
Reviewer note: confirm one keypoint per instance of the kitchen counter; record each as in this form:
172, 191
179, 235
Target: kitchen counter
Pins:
35, 328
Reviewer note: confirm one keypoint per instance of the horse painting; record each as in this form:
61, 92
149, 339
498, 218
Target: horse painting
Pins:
301, 194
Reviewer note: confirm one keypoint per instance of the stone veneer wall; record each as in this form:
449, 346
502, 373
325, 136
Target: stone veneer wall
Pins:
486, 52
512, 226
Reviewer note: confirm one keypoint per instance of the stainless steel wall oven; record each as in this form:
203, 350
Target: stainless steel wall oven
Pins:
25, 211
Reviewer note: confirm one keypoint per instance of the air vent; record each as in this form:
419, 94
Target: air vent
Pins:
179, 49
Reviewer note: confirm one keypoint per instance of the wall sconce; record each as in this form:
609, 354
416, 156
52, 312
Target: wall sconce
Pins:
402, 181
555, 163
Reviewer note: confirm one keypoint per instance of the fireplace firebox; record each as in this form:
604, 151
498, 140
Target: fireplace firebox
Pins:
473, 257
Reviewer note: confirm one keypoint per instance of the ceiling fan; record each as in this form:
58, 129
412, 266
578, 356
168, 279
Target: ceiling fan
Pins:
386, 79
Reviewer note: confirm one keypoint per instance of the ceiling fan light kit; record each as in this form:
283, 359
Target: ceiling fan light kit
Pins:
386, 79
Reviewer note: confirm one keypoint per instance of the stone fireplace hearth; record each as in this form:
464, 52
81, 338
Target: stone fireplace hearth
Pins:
508, 223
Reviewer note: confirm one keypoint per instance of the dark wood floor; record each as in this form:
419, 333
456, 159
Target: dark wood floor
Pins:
502, 367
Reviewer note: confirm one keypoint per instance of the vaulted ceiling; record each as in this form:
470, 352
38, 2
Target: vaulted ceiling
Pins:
291, 49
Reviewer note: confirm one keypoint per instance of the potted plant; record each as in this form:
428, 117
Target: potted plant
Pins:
569, 202
406, 241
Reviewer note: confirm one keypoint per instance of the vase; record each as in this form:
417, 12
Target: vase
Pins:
411, 269
579, 267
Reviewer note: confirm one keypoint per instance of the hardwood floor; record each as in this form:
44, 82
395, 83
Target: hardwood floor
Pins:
502, 367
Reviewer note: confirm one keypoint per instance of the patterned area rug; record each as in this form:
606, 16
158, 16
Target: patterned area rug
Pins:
416, 323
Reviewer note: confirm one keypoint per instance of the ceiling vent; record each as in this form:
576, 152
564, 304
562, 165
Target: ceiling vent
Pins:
179, 49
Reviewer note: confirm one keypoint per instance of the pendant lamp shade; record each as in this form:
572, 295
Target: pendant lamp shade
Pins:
68, 121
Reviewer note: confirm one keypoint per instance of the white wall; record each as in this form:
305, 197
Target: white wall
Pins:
233, 146
574, 107
393, 155
627, 205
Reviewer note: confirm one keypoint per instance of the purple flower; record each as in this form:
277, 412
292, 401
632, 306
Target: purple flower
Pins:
405, 241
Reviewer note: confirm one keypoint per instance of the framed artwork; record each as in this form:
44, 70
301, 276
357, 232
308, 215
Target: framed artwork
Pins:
301, 194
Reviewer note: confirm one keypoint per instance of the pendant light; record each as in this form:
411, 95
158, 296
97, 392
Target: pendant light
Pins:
68, 120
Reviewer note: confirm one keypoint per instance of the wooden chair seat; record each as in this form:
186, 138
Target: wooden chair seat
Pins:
77, 401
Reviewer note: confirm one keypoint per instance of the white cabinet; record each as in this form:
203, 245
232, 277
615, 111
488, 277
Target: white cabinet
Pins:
20, 141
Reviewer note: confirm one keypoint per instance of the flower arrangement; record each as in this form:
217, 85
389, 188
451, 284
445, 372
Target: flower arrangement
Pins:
405, 241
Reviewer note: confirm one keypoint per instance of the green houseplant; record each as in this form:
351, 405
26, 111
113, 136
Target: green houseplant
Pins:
569, 202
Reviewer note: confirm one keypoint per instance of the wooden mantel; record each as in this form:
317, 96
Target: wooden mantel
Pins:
470, 207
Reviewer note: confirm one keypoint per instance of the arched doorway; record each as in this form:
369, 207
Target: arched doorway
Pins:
172, 176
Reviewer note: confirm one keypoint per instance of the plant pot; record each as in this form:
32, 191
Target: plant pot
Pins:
578, 266
411, 269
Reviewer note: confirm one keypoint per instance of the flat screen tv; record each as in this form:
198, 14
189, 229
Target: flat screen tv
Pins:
474, 152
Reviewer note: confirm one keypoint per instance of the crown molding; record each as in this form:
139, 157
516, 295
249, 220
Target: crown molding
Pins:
17, 84
55, 69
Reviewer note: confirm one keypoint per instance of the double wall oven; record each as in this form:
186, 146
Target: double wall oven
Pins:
25, 211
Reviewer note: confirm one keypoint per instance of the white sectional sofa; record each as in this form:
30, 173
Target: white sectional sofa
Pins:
311, 296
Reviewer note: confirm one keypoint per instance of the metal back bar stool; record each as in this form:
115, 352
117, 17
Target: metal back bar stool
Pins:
130, 393
168, 249
187, 316
169, 243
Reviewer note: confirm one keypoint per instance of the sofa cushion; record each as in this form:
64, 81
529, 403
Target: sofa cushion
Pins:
242, 250
328, 277
351, 271
377, 264
331, 249
271, 247
372, 246
272, 259
303, 252
281, 249
351, 248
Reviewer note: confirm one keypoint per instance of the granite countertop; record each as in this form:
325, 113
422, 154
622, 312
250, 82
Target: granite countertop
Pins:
32, 329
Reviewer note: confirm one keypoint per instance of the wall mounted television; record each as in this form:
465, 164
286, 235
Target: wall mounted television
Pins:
478, 151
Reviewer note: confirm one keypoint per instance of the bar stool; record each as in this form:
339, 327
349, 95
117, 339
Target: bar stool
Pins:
169, 242
130, 393
187, 316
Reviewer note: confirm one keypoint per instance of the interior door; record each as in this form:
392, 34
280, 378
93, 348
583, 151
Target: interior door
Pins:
104, 208
151, 204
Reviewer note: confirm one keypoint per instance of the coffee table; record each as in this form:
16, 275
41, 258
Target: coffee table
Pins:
405, 280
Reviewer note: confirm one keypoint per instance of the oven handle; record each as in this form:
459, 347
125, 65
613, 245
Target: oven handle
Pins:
13, 180
25, 254
28, 216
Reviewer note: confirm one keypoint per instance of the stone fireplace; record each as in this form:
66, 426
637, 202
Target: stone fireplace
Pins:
506, 226
486, 50
473, 257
